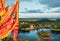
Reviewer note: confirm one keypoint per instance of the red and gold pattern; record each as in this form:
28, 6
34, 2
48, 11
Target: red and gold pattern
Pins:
9, 20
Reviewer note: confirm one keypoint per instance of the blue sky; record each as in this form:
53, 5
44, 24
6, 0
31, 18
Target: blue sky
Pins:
9, 2
37, 8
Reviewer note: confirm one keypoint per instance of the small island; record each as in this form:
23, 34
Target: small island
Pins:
44, 35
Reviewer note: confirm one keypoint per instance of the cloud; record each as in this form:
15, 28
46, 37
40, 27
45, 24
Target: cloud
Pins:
44, 5
32, 7
50, 3
33, 11
37, 15
26, 0
58, 11
39, 8
54, 10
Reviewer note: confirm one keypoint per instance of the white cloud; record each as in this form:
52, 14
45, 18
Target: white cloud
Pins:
34, 5
37, 15
31, 5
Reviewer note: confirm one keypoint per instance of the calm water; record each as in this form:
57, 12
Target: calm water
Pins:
33, 34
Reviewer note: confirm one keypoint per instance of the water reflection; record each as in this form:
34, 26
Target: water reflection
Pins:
54, 32
55, 36
24, 31
29, 35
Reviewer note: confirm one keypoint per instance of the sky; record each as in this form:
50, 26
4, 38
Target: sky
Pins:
37, 8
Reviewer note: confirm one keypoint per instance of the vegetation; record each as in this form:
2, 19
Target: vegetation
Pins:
43, 33
11, 39
24, 26
56, 26
39, 39
38, 22
32, 40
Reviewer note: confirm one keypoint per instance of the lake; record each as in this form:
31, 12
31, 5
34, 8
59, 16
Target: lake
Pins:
33, 34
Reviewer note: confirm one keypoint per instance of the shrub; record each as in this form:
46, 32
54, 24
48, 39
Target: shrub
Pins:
56, 27
43, 33
24, 26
